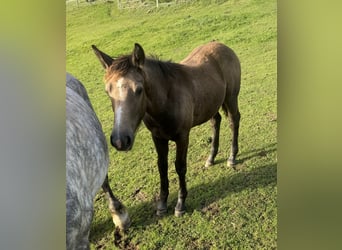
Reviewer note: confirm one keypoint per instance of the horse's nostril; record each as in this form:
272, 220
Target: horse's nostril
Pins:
128, 141
122, 143
116, 143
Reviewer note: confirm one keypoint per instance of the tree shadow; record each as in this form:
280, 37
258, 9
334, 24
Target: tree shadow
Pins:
143, 214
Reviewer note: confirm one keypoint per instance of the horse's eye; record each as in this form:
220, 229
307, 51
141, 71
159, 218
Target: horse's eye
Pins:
138, 90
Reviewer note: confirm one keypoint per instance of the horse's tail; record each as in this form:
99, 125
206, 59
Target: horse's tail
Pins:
230, 104
231, 72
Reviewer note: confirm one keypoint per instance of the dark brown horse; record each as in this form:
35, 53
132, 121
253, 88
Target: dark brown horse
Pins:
172, 98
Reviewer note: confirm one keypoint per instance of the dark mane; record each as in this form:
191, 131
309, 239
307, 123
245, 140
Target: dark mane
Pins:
122, 64
167, 68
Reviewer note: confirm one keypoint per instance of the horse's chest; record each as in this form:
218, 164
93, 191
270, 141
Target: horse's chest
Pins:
163, 126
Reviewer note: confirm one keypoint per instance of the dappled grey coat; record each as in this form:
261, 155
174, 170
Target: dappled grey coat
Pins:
86, 163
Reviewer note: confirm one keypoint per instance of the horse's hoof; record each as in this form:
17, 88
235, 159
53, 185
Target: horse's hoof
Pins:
209, 163
161, 208
161, 212
179, 213
231, 162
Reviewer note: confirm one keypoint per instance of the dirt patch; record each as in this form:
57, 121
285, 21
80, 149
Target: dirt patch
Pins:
262, 153
139, 195
211, 210
122, 241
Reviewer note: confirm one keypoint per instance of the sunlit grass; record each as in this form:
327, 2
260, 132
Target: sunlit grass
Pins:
226, 209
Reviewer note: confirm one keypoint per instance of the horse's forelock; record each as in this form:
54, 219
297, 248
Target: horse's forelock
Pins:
120, 66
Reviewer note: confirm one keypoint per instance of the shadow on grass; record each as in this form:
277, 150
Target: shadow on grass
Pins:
258, 152
143, 214
247, 155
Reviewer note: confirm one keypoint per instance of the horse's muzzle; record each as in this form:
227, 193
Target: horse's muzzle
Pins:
122, 142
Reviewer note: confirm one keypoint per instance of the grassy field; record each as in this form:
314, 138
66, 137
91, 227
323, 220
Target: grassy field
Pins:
226, 208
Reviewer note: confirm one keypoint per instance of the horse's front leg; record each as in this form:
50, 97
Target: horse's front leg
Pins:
162, 147
117, 209
182, 148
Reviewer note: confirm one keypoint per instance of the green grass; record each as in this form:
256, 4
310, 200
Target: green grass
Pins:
226, 209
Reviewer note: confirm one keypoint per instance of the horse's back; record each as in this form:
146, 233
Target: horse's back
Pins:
217, 50
87, 148
77, 86
215, 57
214, 70
86, 162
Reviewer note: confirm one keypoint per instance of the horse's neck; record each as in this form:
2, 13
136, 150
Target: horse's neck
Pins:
156, 92
156, 99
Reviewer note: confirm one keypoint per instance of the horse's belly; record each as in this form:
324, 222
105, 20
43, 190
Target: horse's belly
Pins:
206, 107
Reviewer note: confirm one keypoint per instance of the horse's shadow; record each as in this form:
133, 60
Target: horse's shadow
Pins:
258, 152
251, 154
219, 189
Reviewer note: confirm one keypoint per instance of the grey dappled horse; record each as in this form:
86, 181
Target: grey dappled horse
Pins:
86, 167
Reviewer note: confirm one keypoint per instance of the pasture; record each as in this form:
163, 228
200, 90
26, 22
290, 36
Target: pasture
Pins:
226, 208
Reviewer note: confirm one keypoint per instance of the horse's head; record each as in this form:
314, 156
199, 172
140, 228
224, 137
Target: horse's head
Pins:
124, 80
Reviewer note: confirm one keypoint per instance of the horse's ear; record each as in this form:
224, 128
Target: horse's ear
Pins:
138, 55
105, 59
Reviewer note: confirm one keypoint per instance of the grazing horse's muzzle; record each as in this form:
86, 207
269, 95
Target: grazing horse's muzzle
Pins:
122, 142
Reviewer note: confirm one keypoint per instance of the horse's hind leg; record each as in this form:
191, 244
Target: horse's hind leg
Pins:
215, 124
182, 144
234, 117
119, 213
